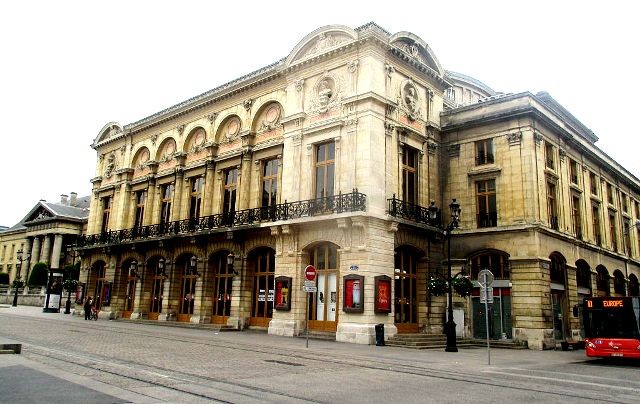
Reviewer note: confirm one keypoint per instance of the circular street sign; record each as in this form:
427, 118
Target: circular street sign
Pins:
485, 277
310, 273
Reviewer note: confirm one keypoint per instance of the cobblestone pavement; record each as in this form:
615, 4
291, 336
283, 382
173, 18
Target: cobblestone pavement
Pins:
151, 363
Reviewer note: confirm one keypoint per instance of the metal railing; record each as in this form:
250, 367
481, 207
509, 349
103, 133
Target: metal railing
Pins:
351, 202
413, 212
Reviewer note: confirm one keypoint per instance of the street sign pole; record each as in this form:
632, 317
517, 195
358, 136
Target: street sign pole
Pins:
486, 278
307, 322
309, 287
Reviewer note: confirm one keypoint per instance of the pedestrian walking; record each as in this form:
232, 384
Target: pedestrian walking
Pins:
87, 308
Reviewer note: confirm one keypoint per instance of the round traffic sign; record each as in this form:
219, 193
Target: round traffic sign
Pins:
310, 273
485, 277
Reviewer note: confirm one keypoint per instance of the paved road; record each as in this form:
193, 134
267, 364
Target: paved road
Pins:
67, 359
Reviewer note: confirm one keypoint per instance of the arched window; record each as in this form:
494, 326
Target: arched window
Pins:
602, 280
495, 261
557, 268
634, 287
618, 282
583, 275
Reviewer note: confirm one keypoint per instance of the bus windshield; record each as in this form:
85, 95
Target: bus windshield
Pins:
611, 317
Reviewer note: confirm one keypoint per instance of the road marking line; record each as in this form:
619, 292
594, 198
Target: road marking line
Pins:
634, 389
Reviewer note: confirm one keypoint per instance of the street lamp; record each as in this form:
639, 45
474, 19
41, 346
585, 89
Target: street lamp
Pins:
193, 262
133, 269
16, 280
70, 281
450, 325
230, 260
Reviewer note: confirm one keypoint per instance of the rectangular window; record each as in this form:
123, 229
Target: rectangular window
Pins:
324, 167
626, 233
595, 220
196, 197
269, 182
409, 175
141, 198
576, 216
486, 203
613, 233
609, 194
573, 171
625, 203
230, 188
167, 199
106, 212
549, 155
552, 207
593, 182
484, 152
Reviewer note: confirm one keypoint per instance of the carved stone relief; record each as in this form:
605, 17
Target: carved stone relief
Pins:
327, 93
323, 42
110, 165
411, 100
270, 118
231, 130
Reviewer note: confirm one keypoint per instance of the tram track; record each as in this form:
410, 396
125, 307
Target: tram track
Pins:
176, 380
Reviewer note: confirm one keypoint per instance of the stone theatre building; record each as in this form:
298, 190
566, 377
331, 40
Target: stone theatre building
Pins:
209, 211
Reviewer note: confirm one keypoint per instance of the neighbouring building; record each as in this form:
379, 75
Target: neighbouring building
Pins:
212, 210
43, 235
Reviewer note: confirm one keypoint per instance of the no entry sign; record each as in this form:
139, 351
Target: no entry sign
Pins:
310, 273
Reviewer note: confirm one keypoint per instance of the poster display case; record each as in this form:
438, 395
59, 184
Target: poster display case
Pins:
353, 299
382, 301
282, 293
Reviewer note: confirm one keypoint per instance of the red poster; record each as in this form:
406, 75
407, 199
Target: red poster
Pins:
383, 294
349, 293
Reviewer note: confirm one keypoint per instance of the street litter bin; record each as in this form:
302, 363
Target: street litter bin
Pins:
379, 334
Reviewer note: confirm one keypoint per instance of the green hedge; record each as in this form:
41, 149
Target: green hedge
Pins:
39, 275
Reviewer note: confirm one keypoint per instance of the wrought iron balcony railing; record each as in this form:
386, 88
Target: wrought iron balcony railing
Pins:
351, 202
410, 211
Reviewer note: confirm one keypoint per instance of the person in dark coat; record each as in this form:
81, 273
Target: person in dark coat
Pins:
87, 308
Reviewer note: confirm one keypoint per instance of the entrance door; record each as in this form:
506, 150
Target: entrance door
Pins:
500, 325
263, 288
557, 299
98, 293
222, 288
187, 298
405, 286
157, 289
131, 297
323, 305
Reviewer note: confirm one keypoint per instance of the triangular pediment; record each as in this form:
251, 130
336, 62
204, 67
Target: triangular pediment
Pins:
40, 213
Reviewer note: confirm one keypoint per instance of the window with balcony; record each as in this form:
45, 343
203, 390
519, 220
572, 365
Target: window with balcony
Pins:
593, 184
576, 216
552, 205
141, 198
165, 207
484, 152
613, 231
409, 175
486, 203
229, 192
595, 222
106, 212
549, 155
195, 202
269, 182
325, 169
573, 172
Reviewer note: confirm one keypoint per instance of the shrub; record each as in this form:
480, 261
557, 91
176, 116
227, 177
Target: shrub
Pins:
39, 275
437, 286
4, 278
462, 286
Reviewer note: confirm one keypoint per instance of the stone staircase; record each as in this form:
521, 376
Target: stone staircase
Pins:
439, 341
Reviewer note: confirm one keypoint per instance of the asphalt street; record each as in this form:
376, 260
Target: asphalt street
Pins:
67, 359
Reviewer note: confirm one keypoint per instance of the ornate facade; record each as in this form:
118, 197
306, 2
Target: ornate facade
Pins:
210, 211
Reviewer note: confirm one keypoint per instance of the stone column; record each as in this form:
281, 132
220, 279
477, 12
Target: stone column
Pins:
26, 255
35, 250
45, 253
57, 249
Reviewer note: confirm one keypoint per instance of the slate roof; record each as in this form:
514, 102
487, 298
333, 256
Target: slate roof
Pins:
58, 211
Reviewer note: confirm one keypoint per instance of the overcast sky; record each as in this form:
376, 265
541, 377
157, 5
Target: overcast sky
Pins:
69, 67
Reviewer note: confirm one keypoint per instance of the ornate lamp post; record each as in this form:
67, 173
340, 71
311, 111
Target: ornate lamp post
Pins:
16, 280
450, 325
70, 284
231, 259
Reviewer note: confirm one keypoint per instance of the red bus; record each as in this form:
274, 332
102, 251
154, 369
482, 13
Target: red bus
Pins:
612, 327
